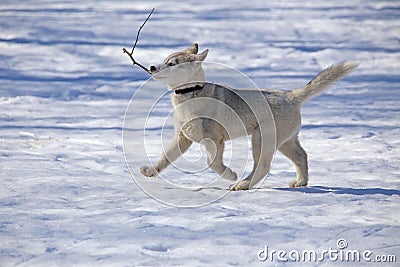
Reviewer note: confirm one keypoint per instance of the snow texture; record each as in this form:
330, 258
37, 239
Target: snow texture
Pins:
67, 197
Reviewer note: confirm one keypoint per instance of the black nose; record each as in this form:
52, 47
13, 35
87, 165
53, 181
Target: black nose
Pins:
152, 68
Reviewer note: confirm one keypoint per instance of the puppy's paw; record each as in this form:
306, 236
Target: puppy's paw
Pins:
242, 185
148, 171
298, 183
229, 175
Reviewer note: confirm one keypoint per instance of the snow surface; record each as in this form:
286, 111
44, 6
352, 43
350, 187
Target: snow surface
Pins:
67, 197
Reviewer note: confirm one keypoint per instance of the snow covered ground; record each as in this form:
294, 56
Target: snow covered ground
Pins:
67, 197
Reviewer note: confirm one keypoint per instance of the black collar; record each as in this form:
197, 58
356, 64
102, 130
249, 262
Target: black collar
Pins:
189, 89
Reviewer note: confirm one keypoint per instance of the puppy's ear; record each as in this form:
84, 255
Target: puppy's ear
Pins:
202, 56
193, 49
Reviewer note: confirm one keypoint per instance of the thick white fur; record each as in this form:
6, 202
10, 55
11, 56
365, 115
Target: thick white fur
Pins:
183, 69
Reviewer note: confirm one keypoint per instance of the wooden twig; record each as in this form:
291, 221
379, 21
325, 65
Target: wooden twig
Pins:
134, 61
134, 46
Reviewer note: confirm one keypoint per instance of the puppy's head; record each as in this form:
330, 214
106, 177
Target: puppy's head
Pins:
181, 67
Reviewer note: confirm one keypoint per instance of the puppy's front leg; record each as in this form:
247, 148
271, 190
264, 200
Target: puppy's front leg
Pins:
215, 151
179, 145
263, 153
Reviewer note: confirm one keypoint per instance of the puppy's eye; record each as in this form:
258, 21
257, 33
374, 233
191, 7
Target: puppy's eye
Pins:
170, 64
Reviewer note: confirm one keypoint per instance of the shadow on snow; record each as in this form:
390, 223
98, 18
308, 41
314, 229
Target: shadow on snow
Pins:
343, 190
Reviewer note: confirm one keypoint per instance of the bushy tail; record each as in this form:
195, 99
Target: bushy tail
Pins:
322, 81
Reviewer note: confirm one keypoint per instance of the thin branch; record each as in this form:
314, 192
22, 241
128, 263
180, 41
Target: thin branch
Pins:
140, 28
134, 46
134, 61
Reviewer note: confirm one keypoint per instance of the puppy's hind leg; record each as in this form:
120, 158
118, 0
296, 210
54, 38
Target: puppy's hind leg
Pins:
293, 150
215, 151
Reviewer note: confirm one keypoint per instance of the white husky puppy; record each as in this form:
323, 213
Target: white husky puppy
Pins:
205, 120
